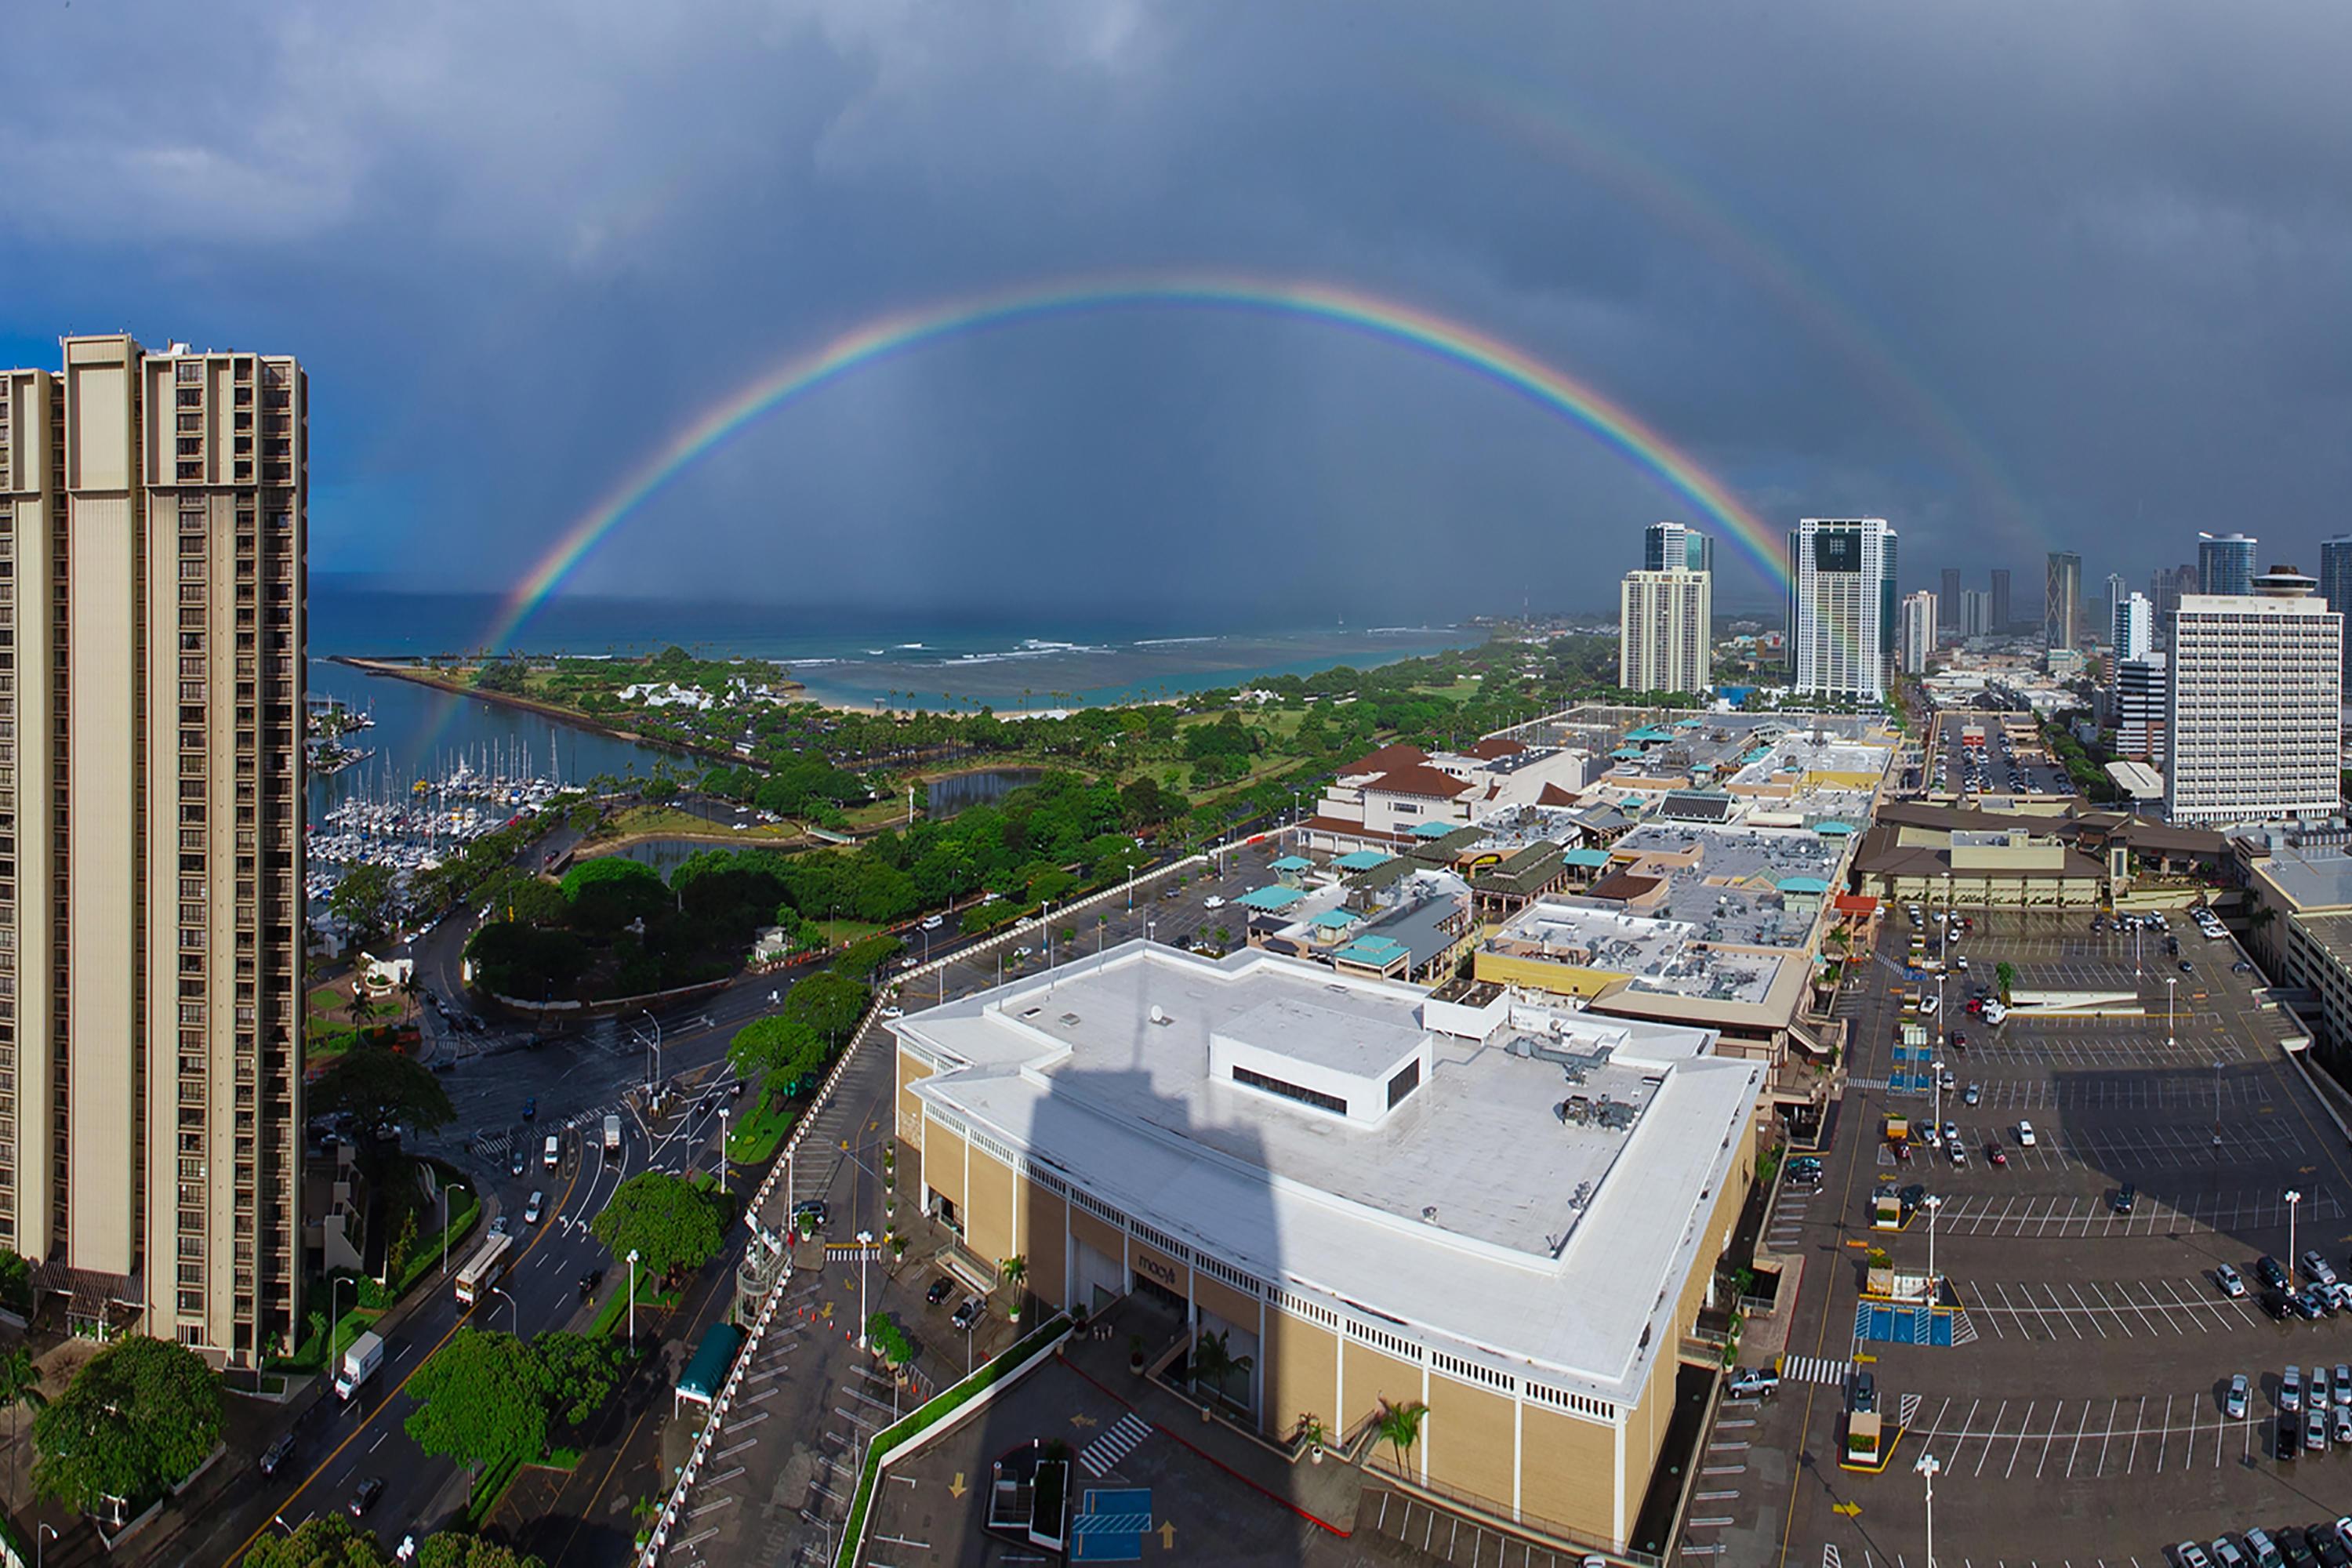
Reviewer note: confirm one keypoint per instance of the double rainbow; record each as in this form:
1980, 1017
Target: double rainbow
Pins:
1386, 320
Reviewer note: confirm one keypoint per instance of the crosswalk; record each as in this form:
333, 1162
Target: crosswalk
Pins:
1815, 1369
1097, 1457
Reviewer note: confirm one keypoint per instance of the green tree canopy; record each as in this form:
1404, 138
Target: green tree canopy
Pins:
670, 1224
380, 1085
327, 1541
363, 897
140, 1416
527, 961
582, 1372
784, 1050
455, 1548
16, 1282
864, 958
481, 1398
828, 1002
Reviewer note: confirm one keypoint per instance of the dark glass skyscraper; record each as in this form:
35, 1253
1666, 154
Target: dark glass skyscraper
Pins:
2225, 563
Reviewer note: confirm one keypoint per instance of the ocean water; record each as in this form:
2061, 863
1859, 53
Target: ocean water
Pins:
845, 657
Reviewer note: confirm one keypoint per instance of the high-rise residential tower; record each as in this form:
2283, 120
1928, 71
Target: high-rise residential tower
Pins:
2131, 627
1842, 606
2139, 701
2116, 593
1663, 638
1672, 547
1997, 605
1976, 613
2336, 579
1947, 602
2252, 717
1919, 632
152, 522
2225, 563
2061, 601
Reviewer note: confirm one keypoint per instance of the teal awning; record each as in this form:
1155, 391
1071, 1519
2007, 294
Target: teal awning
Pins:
1434, 829
707, 1371
1336, 920
1590, 859
1833, 828
1292, 863
1363, 861
1802, 885
1272, 901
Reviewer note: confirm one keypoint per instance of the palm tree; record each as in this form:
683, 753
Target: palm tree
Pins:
1400, 1425
1013, 1271
412, 988
20, 1388
1215, 1364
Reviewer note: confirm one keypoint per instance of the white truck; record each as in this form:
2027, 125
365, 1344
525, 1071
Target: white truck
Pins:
612, 1134
363, 1359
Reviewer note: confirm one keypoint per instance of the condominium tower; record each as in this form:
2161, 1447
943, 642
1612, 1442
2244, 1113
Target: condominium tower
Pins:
152, 519
1842, 606
1919, 632
1671, 546
2253, 719
1997, 605
2336, 579
2061, 601
1948, 599
2131, 629
1663, 643
2225, 563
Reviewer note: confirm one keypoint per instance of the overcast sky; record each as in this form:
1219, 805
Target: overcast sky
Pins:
2012, 275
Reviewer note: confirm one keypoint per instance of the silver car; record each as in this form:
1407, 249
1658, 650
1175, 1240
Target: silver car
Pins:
2234, 1403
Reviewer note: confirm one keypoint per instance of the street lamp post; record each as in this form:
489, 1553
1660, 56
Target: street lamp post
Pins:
633, 1298
335, 1320
2293, 1197
514, 1313
1928, 1467
2170, 980
656, 1045
1937, 1069
722, 1151
41, 1535
864, 1241
1934, 1202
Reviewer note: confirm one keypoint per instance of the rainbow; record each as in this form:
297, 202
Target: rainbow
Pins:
1382, 319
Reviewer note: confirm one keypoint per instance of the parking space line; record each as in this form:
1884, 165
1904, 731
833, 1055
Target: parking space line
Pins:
2108, 1439
2131, 1459
1963, 1438
2024, 1422
2165, 1440
2056, 1411
1991, 1435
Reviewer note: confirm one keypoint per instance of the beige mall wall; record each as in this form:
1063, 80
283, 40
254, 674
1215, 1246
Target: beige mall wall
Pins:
1645, 1430
1301, 1370
1045, 1224
911, 1109
1096, 1234
988, 1218
1373, 1376
944, 1165
1467, 1438
1565, 1472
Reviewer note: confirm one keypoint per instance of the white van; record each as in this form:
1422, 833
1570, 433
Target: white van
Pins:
555, 1152
2025, 1134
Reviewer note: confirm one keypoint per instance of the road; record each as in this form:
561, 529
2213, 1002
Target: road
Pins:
569, 1084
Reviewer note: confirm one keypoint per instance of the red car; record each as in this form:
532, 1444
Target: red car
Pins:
1995, 1154
1976, 1007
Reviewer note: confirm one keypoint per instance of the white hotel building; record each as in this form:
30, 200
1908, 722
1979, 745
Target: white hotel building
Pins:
2253, 716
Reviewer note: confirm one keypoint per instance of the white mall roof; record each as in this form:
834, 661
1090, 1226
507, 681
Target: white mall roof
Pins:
1472, 1211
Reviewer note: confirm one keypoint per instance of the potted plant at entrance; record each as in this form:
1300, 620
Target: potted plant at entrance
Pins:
1013, 1271
1311, 1432
1135, 1354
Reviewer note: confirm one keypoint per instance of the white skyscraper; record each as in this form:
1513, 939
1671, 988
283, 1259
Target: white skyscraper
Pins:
1919, 634
2252, 717
2140, 698
1842, 606
2131, 630
1663, 640
1976, 613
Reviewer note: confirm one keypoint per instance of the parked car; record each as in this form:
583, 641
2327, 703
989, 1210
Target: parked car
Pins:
2315, 1431
500, 1225
2234, 1403
1971, 1095
2317, 1268
2270, 1272
941, 1288
968, 1314
1755, 1382
2025, 1134
1863, 1394
1996, 1155
2232, 1283
2290, 1394
2124, 1198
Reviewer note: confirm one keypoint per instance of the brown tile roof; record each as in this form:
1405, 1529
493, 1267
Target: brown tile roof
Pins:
1626, 885
1419, 780
1494, 746
1386, 759
1554, 795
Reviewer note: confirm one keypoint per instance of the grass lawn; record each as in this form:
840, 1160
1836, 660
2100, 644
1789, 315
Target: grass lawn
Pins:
843, 932
755, 1139
331, 1001
664, 821
615, 1312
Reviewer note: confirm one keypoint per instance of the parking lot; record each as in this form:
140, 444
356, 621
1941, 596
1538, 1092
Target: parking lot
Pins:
2083, 1346
1949, 768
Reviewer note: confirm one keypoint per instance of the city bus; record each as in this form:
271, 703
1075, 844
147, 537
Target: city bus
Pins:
488, 1266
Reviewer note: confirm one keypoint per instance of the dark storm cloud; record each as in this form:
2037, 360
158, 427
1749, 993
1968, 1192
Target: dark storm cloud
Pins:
2009, 273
